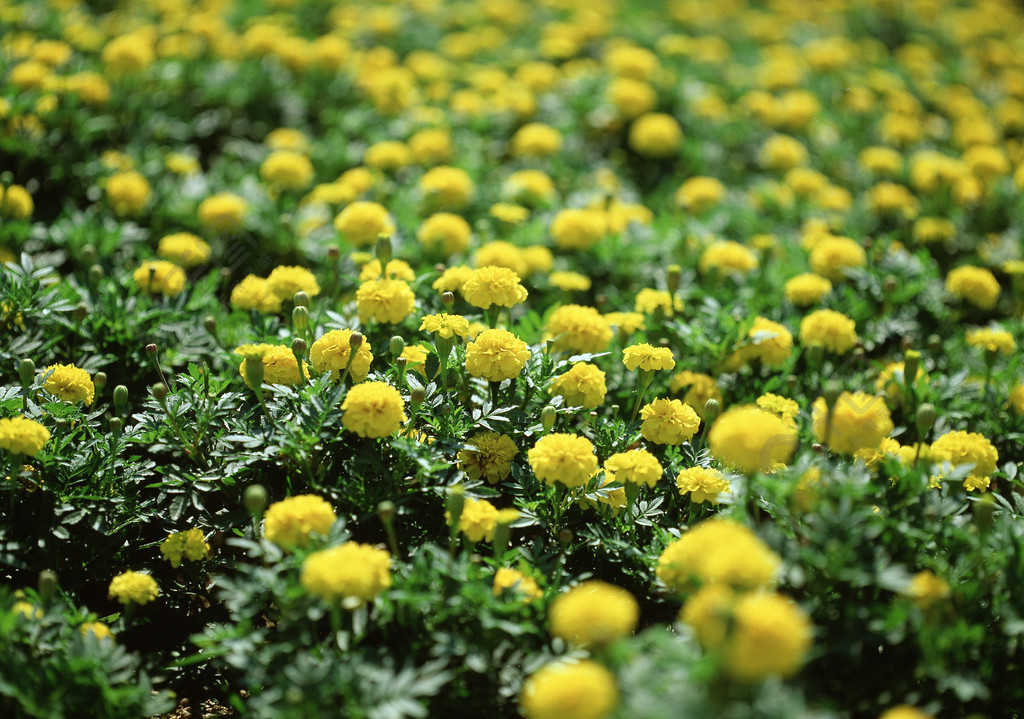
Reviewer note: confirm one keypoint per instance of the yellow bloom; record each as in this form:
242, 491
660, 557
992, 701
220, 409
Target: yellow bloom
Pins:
287, 170
582, 386
668, 421
974, 448
16, 203
446, 326
991, 339
349, 571
331, 352
859, 421
160, 277
284, 281
127, 193
477, 521
767, 342
70, 384
388, 301
502, 254
279, 364
626, 322
447, 187
770, 636
593, 614
446, 232
565, 458
702, 484
21, 435
373, 409
717, 551
649, 301
782, 152
223, 213
701, 388
646, 357
831, 257
698, 194
569, 281
453, 278
292, 521
517, 584
133, 588
496, 355
490, 456
97, 629
189, 544
253, 293
535, 139
491, 285
578, 228
904, 711
362, 223
832, 331
636, 466
926, 589
184, 248
578, 690
529, 187
728, 257
751, 439
394, 270
576, 328
807, 289
975, 285
1017, 399
655, 135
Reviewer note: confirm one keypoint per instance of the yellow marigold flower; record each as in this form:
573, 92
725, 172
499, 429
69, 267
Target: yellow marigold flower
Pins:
489, 455
133, 588
647, 357
351, 571
926, 589
446, 232
287, 170
717, 551
702, 484
97, 629
331, 352
698, 194
129, 53
832, 331
496, 355
631, 97
279, 364
127, 193
223, 213
668, 421
770, 636
535, 139
394, 270
991, 339
961, 447
975, 285
529, 187
189, 544
576, 328
593, 614
486, 286
987, 161
904, 711
292, 521
1017, 399
447, 187
569, 281
388, 155
858, 421
767, 342
881, 160
284, 281
782, 152
287, 138
508, 212
701, 388
27, 610
416, 358
21, 435
388, 301
16, 203
160, 277
890, 198
70, 384
927, 230
477, 521
446, 326
751, 439
91, 87
184, 248
502, 254
517, 584
538, 258
582, 386
253, 293
728, 257
453, 278
569, 690
807, 289
655, 135
626, 322
373, 409
649, 301
637, 466
578, 228
431, 146
362, 223
565, 458
832, 256
782, 407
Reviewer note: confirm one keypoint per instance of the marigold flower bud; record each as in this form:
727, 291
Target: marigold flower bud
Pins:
116, 424
99, 380
300, 317
299, 347
456, 502
253, 371
548, 415
925, 419
831, 393
47, 584
911, 363
160, 391
301, 299
417, 395
711, 409
673, 278
448, 299
384, 249
210, 324
151, 349
120, 396
95, 274
27, 372
355, 340
386, 511
396, 345
255, 499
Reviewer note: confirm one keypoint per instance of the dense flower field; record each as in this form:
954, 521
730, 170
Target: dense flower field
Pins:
564, 359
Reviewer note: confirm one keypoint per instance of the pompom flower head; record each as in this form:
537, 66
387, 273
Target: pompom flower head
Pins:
582, 386
332, 352
70, 384
974, 285
21, 435
477, 520
350, 572
637, 466
388, 301
647, 357
578, 690
496, 355
751, 439
576, 328
859, 421
189, 544
373, 409
717, 551
593, 614
160, 277
291, 522
959, 448
223, 213
832, 331
133, 588
668, 421
565, 458
285, 280
493, 285
489, 456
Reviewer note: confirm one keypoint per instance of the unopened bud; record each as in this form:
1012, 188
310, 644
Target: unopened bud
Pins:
95, 274
355, 340
396, 345
300, 317
47, 584
711, 410
925, 419
151, 349
456, 502
934, 344
300, 299
26, 372
384, 251
120, 396
673, 278
401, 363
116, 424
89, 254
299, 347
100, 380
253, 371
548, 416
386, 511
81, 312
210, 324
333, 253
448, 299
911, 363
890, 284
831, 393
417, 395
160, 391
255, 499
